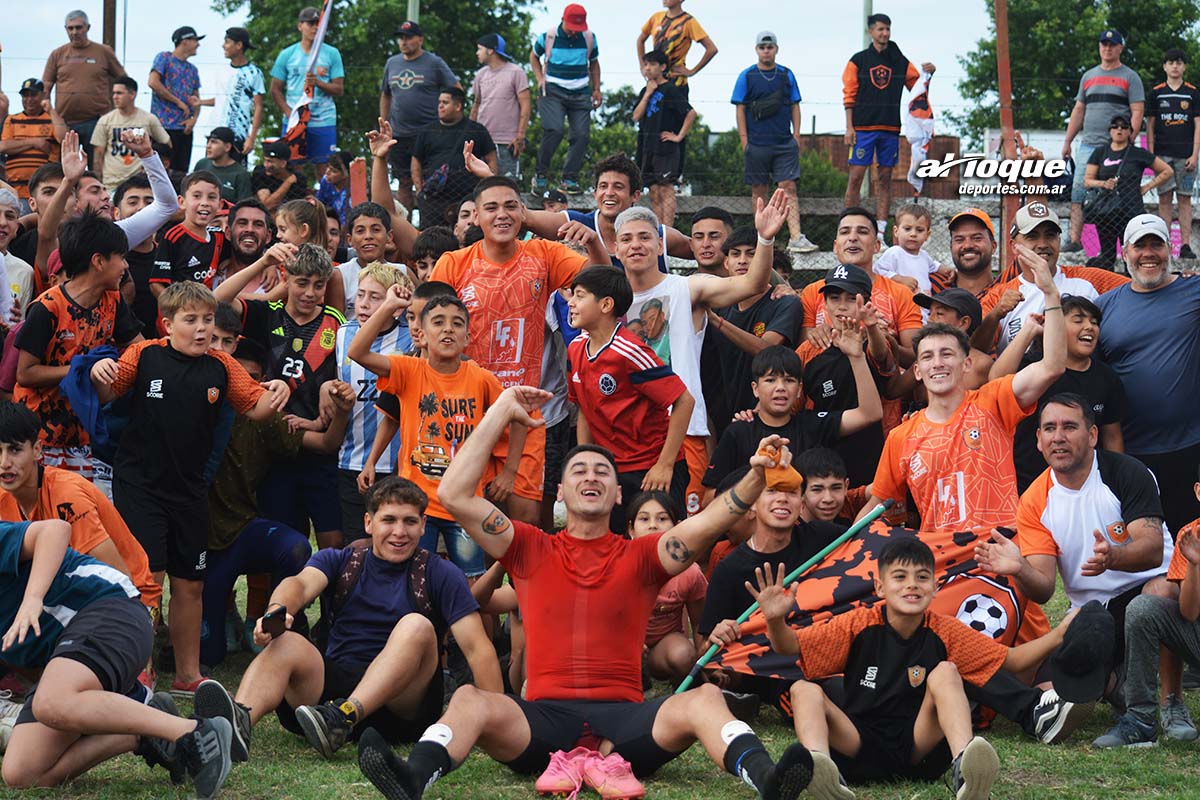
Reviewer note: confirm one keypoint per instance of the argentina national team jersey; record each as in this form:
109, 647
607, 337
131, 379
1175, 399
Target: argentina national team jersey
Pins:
81, 580
364, 416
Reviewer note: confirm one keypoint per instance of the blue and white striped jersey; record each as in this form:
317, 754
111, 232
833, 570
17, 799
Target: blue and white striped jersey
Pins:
365, 417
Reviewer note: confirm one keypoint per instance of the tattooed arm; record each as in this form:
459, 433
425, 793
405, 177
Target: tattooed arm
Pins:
680, 545
482, 521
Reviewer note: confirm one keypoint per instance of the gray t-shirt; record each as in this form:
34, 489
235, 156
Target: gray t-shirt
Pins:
414, 87
1105, 93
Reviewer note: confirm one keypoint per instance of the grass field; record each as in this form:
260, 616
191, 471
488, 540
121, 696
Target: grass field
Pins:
283, 766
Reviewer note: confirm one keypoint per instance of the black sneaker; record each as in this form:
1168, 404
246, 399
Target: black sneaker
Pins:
205, 754
159, 752
974, 771
1072, 247
1187, 252
742, 706
212, 701
388, 774
1055, 719
790, 776
325, 727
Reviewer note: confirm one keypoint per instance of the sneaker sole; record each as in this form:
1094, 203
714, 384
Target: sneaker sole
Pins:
1190, 736
1068, 723
1139, 745
826, 781
314, 732
212, 700
795, 772
375, 765
979, 767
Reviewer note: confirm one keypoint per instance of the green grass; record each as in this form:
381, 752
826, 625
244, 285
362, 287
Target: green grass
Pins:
283, 766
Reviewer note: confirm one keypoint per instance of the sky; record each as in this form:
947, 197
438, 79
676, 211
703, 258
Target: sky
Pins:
816, 50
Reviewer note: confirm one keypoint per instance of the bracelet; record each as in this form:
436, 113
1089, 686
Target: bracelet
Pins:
737, 501
766, 242
1052, 308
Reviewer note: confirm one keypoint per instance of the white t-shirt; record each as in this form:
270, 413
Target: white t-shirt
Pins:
1034, 302
898, 261
19, 280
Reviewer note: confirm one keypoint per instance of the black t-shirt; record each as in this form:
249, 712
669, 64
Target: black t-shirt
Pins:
259, 179
302, 355
145, 306
712, 383
666, 111
740, 440
829, 386
24, 245
1126, 166
1098, 383
180, 256
727, 596
782, 316
439, 149
1173, 114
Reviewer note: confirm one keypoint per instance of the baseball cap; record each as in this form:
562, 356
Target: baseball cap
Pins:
309, 14
574, 18
31, 85
1079, 667
765, 37
1145, 225
408, 28
222, 134
974, 213
1112, 35
848, 278
554, 196
239, 35
186, 32
1032, 215
277, 149
494, 41
962, 301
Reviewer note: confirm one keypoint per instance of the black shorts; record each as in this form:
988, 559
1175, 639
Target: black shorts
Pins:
661, 168
400, 156
560, 724
353, 504
560, 438
174, 537
111, 637
340, 680
885, 754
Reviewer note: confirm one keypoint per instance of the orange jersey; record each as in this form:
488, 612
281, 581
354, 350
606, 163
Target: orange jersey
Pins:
1178, 568
1102, 279
960, 472
893, 302
507, 303
94, 520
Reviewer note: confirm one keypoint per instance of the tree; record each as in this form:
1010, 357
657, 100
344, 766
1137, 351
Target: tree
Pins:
362, 32
1052, 43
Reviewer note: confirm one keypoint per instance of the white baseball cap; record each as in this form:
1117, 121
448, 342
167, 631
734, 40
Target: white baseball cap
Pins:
1145, 225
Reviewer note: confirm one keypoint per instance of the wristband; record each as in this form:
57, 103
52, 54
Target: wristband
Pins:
766, 242
1052, 308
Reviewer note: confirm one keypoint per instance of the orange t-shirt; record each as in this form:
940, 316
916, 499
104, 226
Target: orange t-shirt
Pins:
1102, 279
1178, 567
893, 302
960, 472
439, 412
507, 303
94, 520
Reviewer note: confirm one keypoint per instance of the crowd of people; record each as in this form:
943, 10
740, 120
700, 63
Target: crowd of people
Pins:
205, 376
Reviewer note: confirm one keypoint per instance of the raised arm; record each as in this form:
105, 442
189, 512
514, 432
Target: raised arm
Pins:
1032, 382
380, 142
74, 163
395, 302
848, 339
231, 287
145, 222
713, 292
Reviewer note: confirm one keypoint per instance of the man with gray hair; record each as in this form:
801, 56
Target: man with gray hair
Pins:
83, 72
674, 310
1151, 330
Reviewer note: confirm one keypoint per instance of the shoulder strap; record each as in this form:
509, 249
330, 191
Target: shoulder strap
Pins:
551, 35
418, 585
589, 39
352, 567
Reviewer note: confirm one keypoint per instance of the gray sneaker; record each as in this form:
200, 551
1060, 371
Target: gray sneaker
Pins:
212, 700
1175, 720
1129, 732
205, 754
827, 781
974, 771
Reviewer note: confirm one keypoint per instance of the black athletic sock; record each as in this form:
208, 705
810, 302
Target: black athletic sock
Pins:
428, 761
746, 758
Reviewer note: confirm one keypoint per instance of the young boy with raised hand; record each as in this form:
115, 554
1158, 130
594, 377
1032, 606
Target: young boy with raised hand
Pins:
444, 398
80, 622
177, 385
630, 402
193, 249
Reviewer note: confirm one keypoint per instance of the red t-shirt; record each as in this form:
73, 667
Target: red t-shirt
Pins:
585, 604
625, 393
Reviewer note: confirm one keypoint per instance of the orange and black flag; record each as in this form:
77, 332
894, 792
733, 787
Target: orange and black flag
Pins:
991, 604
296, 135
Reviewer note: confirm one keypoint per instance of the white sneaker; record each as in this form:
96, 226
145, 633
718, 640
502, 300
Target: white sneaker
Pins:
802, 244
8, 717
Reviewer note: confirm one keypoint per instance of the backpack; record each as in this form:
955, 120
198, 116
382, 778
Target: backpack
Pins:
589, 39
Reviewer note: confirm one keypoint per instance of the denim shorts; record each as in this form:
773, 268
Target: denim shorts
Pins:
1181, 181
463, 552
1082, 154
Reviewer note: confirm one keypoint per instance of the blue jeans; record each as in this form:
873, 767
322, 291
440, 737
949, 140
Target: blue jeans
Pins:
558, 107
463, 552
262, 546
1082, 153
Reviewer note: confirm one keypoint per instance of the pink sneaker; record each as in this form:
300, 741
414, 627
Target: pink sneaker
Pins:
612, 777
564, 775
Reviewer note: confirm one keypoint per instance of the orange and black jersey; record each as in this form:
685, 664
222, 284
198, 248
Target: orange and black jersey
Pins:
885, 674
302, 355
181, 256
176, 399
57, 329
872, 84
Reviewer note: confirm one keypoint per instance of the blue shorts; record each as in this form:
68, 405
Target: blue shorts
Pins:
882, 147
772, 163
320, 142
463, 552
1082, 154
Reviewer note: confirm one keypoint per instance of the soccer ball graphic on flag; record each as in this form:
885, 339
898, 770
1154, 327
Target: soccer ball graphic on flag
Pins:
984, 615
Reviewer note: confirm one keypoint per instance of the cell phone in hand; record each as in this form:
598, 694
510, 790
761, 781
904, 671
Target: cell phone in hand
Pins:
274, 623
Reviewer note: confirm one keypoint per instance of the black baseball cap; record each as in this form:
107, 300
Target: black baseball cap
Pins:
554, 196
239, 35
494, 41
222, 134
1080, 666
408, 28
848, 278
186, 32
31, 85
962, 301
277, 149
309, 14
